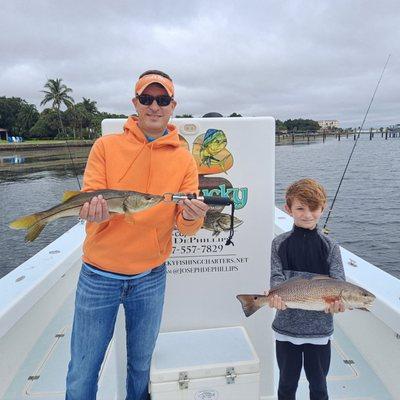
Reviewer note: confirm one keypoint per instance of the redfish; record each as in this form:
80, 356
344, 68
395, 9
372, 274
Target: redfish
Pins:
316, 293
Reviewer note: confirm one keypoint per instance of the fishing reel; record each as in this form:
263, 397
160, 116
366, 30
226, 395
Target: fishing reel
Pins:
209, 200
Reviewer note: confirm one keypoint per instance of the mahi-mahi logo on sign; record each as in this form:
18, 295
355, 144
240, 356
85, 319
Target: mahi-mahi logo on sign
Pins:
208, 394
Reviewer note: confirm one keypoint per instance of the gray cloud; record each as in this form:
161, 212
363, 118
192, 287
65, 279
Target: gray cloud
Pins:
288, 59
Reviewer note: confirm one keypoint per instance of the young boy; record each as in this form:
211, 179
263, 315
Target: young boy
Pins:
303, 337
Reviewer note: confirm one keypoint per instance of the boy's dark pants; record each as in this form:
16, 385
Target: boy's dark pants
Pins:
316, 366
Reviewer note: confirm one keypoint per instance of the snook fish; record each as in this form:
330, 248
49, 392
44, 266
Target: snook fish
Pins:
118, 202
218, 222
310, 294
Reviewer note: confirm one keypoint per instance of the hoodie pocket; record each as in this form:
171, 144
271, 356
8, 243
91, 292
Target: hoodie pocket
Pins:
138, 240
127, 240
148, 246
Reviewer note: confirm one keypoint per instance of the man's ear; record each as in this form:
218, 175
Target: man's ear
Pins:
174, 103
134, 102
288, 210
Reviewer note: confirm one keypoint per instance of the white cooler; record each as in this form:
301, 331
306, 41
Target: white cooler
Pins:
207, 364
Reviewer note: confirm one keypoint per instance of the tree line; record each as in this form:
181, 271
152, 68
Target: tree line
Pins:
80, 120
299, 124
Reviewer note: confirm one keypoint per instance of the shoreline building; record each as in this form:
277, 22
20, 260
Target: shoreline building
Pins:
329, 124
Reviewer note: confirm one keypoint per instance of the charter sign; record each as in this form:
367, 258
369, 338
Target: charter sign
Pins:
206, 252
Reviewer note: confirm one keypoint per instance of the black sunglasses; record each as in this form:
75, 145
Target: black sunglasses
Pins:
147, 100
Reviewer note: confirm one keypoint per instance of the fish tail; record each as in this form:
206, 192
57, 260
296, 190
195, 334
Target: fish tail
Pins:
25, 222
34, 223
248, 304
34, 231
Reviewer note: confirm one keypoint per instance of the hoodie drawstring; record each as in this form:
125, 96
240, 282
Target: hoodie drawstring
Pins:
149, 176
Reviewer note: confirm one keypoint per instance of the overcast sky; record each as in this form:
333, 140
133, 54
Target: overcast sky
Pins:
288, 59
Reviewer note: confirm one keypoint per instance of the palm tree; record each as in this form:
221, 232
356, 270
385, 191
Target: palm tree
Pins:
90, 106
26, 118
57, 93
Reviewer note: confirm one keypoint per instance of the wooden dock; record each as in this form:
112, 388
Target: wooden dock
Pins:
312, 136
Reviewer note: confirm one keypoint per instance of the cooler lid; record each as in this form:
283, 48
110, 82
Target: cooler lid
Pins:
203, 353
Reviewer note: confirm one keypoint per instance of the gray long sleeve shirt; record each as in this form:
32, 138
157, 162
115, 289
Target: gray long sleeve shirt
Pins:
305, 253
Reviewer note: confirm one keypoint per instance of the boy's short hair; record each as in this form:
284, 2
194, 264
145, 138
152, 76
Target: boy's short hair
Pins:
308, 191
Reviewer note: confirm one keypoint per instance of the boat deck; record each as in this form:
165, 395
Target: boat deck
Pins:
42, 376
43, 373
350, 376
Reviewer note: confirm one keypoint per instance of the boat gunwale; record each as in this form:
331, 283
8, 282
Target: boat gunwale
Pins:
21, 288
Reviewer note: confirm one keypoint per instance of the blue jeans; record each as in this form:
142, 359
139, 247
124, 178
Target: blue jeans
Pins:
96, 306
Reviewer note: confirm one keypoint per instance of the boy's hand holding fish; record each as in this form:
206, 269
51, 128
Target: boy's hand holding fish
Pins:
277, 302
335, 307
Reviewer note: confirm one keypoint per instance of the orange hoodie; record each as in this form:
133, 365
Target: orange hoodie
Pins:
127, 161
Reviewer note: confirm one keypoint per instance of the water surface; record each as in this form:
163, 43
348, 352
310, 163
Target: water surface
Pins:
365, 218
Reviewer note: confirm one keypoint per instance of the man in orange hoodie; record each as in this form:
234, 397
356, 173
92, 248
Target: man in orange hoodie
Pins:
124, 257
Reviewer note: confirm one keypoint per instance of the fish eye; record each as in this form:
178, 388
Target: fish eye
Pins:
255, 297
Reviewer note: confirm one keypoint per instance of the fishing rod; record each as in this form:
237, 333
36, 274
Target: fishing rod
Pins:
325, 229
70, 155
73, 165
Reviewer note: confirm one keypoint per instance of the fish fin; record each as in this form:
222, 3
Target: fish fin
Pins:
248, 303
34, 231
25, 222
69, 194
129, 218
330, 299
286, 283
215, 209
318, 277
